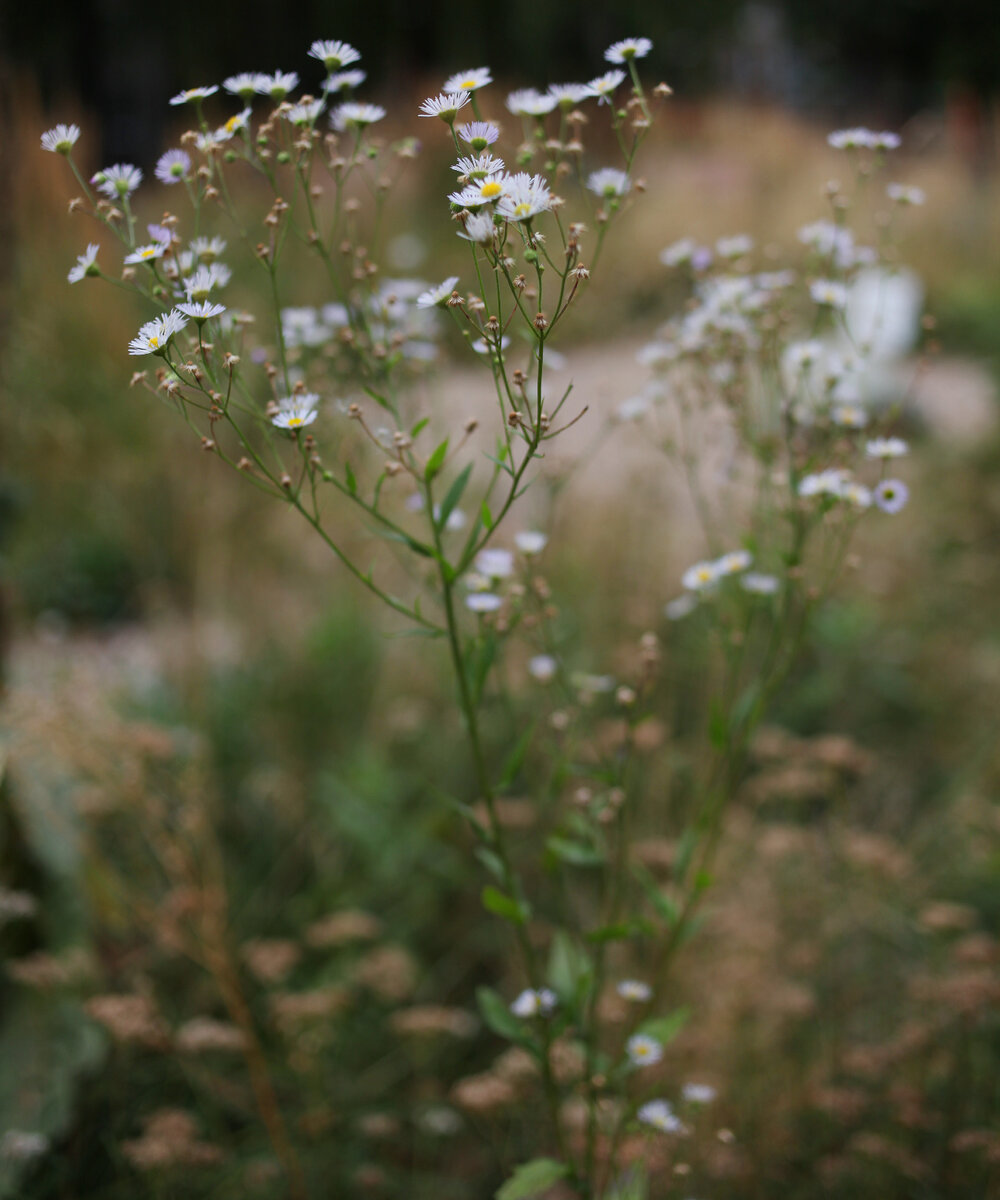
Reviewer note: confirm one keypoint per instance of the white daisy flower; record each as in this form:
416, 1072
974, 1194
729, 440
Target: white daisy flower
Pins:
850, 416
155, 335
278, 85
237, 122
209, 141
633, 408
527, 102
829, 292
304, 113
899, 193
334, 55
61, 139
681, 606
700, 576
679, 253
824, 483
173, 166
891, 495
525, 196
620, 52
733, 563
437, 295
202, 310
295, 412
208, 249
480, 192
148, 253
609, 182
604, 85
856, 494
568, 94
191, 95
468, 81
635, 990
495, 564
698, 1093
886, 448
86, 264
118, 181
734, 247
534, 1003
885, 140
445, 106
344, 81
483, 602
660, 1115
355, 114
643, 1050
543, 668
801, 356
199, 285
758, 584
479, 134
482, 346
530, 541
244, 84
479, 165
851, 139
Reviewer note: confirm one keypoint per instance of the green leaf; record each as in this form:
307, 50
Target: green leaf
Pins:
685, 850
532, 1178
489, 860
578, 854
660, 901
665, 1029
570, 969
501, 905
486, 516
498, 1016
718, 727
436, 461
419, 427
352, 483
515, 759
453, 496
633, 1185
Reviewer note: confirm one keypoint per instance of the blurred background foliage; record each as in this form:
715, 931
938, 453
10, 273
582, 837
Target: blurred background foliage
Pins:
201, 711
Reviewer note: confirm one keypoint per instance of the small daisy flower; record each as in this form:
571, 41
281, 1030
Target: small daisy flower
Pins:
334, 55
237, 122
604, 85
480, 192
660, 1115
436, 296
891, 495
344, 81
899, 193
118, 181
295, 412
200, 284
173, 166
208, 249
698, 1093
609, 182
701, 576
758, 584
823, 483
210, 141
304, 113
530, 541
483, 602
445, 106
532, 1003
525, 196
478, 134
800, 356
681, 606
148, 253
482, 346
628, 48
568, 94
856, 494
191, 95
851, 139
495, 564
885, 140
543, 668
479, 227
643, 1051
527, 102
734, 247
201, 310
243, 85
850, 416
478, 165
679, 253
829, 292
468, 81
278, 85
61, 139
885, 448
634, 990
154, 336
86, 264
356, 115
733, 563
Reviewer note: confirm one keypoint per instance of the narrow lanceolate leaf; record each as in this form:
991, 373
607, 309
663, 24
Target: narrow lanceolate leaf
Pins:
352, 483
501, 905
665, 1029
436, 461
452, 497
532, 1179
498, 1016
486, 516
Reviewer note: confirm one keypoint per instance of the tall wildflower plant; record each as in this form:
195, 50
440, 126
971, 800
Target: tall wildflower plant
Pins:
306, 401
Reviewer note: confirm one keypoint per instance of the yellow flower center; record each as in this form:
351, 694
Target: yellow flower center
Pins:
468, 83
294, 422
149, 252
490, 190
523, 209
232, 123
154, 343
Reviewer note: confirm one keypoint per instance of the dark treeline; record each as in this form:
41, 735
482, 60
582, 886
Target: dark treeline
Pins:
122, 60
